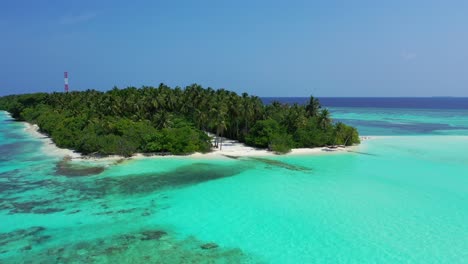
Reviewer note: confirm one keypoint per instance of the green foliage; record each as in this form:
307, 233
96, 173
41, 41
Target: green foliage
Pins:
262, 133
312, 136
269, 134
161, 119
281, 143
313, 107
184, 140
345, 135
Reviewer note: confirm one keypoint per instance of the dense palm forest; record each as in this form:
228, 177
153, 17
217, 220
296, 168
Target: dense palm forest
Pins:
165, 120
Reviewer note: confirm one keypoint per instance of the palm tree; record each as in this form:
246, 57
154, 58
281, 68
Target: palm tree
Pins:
234, 115
218, 119
200, 117
220, 131
313, 107
163, 119
324, 119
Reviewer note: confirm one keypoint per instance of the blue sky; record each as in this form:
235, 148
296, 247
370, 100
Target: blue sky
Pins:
267, 48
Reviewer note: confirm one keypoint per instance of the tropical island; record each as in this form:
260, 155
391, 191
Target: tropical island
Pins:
174, 120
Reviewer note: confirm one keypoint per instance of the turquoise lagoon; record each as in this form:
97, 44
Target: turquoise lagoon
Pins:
398, 198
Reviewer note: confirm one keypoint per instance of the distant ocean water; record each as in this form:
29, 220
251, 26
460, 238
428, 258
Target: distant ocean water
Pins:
402, 198
395, 116
381, 102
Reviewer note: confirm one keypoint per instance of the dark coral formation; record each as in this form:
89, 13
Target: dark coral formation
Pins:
362, 153
147, 246
18, 206
23, 239
281, 164
26, 193
151, 182
64, 193
66, 168
153, 234
209, 246
12, 149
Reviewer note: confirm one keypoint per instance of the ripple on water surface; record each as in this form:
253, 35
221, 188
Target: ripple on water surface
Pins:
406, 202
71, 215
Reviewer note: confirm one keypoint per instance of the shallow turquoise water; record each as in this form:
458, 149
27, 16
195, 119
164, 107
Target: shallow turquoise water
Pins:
401, 121
398, 199
389, 208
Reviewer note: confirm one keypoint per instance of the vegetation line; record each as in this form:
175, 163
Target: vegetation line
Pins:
165, 120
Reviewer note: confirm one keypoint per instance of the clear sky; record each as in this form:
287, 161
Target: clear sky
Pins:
267, 48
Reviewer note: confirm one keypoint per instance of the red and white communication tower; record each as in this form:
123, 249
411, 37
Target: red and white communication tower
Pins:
65, 75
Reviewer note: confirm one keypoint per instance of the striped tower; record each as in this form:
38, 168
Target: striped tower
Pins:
65, 75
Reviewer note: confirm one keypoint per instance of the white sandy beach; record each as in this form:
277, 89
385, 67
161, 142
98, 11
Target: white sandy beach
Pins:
49, 146
236, 149
230, 148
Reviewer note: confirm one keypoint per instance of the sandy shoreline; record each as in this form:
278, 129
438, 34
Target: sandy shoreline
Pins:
48, 145
234, 148
230, 149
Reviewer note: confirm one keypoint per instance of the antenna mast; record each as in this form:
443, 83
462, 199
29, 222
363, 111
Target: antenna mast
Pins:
65, 75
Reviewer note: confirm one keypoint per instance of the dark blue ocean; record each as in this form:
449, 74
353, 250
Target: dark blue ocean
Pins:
395, 116
381, 102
